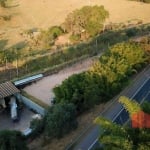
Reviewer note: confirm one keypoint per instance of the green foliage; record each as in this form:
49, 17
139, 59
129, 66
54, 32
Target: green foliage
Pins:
12, 140
88, 19
131, 32
60, 119
130, 105
103, 80
37, 126
47, 37
116, 137
145, 44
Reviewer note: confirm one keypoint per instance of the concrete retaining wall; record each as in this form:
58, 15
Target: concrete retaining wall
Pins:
31, 105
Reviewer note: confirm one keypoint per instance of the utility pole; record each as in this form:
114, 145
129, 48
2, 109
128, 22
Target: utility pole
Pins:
96, 47
17, 61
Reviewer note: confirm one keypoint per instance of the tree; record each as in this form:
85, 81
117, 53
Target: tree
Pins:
116, 137
130, 105
12, 140
60, 119
88, 19
47, 37
3, 3
104, 79
37, 126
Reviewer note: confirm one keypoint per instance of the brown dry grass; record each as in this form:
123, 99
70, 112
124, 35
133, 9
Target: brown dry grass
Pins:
45, 13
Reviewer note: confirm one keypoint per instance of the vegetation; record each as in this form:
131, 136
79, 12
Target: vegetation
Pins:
105, 79
60, 119
145, 43
145, 1
25, 59
47, 37
85, 22
118, 137
12, 140
37, 126
3, 3
131, 106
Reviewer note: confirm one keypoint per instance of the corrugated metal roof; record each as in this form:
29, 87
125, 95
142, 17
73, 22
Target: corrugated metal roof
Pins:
7, 89
28, 79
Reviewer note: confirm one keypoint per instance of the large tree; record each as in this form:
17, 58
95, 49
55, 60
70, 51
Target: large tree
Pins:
60, 119
12, 140
104, 79
116, 137
88, 19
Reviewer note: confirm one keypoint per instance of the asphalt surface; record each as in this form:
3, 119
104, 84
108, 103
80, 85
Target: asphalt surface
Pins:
139, 91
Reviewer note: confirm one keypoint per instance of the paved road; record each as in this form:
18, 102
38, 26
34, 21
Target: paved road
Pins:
140, 90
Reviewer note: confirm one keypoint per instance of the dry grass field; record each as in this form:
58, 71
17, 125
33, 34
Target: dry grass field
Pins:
45, 13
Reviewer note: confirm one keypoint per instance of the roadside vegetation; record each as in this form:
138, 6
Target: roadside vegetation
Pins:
105, 79
12, 140
80, 92
17, 62
85, 22
93, 37
59, 120
117, 137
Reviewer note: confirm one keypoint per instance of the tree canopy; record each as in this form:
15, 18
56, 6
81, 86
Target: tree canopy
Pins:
60, 119
88, 19
12, 140
118, 137
104, 79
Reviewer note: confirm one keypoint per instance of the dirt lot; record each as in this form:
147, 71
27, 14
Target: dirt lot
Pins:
22, 124
45, 13
43, 89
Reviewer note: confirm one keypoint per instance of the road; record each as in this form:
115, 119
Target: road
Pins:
139, 90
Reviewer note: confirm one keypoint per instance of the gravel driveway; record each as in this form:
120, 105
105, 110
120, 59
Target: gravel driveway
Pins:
42, 89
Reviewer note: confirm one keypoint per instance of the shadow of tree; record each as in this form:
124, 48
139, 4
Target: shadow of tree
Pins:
19, 45
3, 44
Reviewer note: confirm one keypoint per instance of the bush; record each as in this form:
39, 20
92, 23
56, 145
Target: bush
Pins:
37, 126
60, 119
47, 37
12, 140
2, 3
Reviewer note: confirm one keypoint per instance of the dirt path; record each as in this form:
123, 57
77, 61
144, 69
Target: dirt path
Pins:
43, 89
